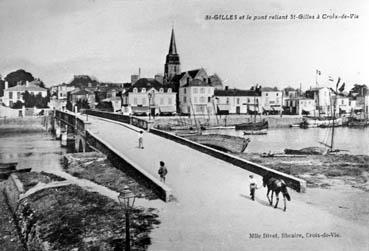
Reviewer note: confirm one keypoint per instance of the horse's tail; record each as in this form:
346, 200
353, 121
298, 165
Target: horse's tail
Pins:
285, 191
287, 196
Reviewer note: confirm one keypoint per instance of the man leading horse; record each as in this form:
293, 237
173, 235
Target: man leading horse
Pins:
276, 186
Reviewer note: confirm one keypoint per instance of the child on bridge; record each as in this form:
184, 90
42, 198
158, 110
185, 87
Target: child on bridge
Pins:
162, 171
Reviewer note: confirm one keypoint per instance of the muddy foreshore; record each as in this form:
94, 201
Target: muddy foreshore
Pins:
321, 170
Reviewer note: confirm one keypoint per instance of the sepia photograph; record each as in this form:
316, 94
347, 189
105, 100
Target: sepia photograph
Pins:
167, 125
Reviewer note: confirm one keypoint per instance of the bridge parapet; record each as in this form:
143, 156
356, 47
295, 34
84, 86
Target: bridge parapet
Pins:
135, 121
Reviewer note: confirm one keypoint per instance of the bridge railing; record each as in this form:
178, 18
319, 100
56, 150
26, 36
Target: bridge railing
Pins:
109, 115
141, 123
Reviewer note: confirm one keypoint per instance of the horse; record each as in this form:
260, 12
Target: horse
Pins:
276, 186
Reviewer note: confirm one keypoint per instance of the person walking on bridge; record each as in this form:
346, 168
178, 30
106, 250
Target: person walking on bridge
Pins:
140, 140
162, 171
253, 186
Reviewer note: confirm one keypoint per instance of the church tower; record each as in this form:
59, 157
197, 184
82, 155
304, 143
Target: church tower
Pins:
172, 65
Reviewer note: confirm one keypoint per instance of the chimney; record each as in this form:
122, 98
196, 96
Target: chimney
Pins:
6, 85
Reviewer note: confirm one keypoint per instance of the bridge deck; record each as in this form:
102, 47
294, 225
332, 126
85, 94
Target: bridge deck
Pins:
213, 211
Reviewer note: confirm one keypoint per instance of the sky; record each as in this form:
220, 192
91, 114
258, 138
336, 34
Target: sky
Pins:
111, 39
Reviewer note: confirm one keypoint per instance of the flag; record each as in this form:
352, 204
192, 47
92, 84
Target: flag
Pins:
338, 81
330, 78
342, 87
318, 72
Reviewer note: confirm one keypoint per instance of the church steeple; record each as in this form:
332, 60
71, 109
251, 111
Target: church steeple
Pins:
172, 65
172, 46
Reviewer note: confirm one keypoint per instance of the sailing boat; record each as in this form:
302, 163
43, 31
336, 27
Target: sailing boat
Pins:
330, 145
337, 91
222, 142
250, 128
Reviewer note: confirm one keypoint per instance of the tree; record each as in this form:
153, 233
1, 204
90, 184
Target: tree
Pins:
18, 105
82, 104
31, 100
362, 90
69, 106
18, 76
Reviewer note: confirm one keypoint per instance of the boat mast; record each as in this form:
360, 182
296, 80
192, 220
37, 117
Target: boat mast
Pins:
317, 87
334, 117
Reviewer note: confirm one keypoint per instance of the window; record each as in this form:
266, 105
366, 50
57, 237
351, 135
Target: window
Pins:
135, 90
10, 95
184, 90
184, 99
169, 101
266, 94
227, 101
195, 99
202, 99
248, 100
170, 90
143, 90
18, 95
161, 90
195, 90
135, 100
209, 99
238, 101
276, 94
202, 90
143, 101
162, 101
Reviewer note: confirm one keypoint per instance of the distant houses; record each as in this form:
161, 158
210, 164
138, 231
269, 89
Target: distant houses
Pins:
16, 93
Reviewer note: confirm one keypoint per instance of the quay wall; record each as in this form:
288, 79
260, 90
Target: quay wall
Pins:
124, 163
295, 183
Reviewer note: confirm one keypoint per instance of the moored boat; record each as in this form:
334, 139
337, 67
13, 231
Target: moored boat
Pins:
256, 132
220, 141
253, 126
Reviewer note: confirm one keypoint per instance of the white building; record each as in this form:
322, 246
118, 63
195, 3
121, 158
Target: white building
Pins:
196, 97
149, 96
15, 93
62, 91
322, 97
235, 101
271, 101
300, 106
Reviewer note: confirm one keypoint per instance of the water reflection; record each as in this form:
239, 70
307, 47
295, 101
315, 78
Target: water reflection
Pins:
36, 150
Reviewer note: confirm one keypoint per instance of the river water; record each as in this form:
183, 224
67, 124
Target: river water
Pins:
356, 140
36, 150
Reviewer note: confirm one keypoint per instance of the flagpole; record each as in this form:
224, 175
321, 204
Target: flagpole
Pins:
316, 83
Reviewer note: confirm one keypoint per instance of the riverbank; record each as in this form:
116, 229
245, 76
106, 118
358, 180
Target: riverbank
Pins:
321, 170
95, 167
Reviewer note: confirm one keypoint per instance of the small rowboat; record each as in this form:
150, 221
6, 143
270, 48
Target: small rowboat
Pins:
259, 132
